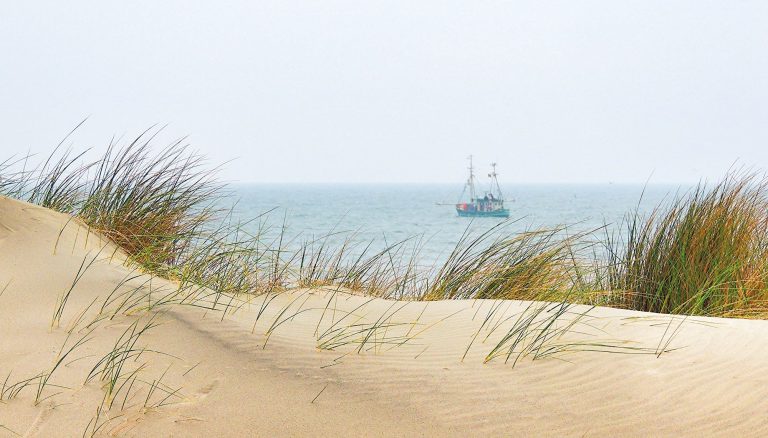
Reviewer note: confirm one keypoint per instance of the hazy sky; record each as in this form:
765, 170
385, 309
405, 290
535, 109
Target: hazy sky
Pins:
372, 91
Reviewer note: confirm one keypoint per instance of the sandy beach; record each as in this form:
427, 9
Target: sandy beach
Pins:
322, 362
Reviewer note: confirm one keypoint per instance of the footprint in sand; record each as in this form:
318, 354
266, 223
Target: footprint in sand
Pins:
207, 389
41, 418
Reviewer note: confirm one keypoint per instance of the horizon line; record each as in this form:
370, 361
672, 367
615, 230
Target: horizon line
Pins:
650, 183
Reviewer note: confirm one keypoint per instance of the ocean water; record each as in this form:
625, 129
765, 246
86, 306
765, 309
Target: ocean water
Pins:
388, 213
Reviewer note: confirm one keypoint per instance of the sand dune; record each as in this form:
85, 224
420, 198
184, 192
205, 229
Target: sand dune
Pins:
323, 362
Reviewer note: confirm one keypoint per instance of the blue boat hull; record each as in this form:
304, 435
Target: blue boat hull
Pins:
493, 213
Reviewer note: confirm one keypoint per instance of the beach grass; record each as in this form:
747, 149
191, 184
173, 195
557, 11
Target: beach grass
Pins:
705, 252
497, 264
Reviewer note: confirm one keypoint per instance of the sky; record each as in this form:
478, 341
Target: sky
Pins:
399, 91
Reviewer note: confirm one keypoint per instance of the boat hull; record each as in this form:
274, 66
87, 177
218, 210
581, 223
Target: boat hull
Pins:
493, 213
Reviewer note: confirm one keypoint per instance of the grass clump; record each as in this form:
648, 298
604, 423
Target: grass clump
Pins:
706, 253
496, 264
151, 204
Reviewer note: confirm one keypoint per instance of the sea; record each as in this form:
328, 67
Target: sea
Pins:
379, 215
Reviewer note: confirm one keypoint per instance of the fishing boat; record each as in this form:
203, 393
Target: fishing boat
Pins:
491, 204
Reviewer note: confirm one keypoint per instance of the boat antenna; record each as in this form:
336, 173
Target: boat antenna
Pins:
471, 180
495, 180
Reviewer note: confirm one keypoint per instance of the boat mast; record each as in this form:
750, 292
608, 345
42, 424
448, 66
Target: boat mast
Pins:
495, 181
471, 181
